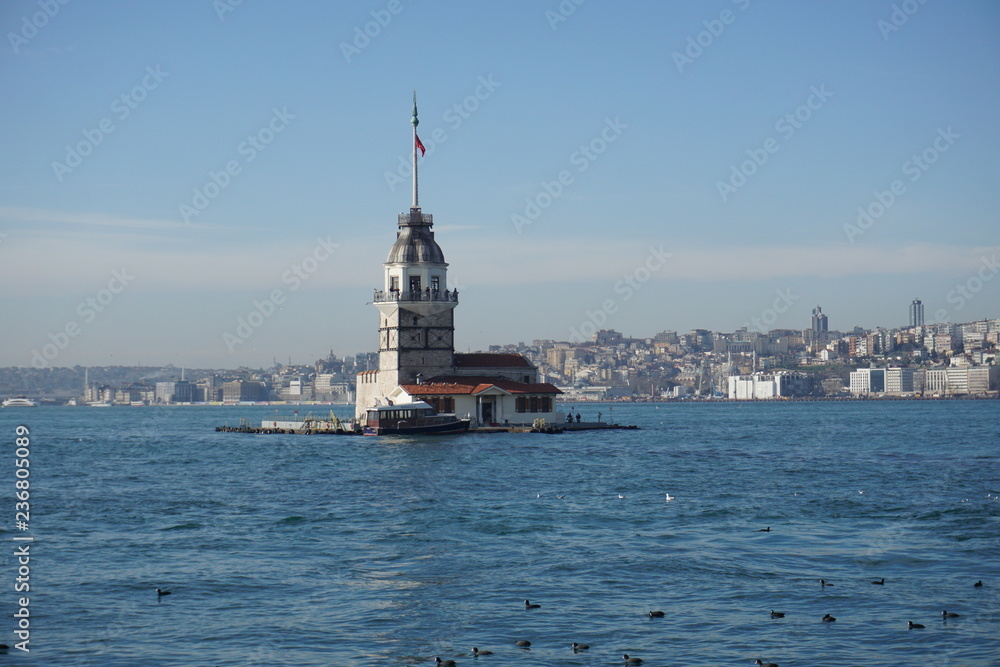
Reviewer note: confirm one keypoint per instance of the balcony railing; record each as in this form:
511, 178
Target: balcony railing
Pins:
415, 295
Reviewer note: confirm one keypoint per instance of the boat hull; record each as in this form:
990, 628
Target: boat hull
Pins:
445, 428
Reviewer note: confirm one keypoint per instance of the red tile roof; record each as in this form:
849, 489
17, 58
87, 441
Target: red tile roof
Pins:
490, 360
476, 385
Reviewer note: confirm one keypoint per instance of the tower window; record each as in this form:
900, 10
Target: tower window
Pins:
394, 284
435, 284
414, 283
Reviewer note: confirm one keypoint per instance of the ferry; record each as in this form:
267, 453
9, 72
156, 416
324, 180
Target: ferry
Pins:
19, 402
416, 418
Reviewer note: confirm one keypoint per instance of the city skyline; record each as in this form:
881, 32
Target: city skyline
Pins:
646, 168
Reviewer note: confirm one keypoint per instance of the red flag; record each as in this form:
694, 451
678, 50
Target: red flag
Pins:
419, 145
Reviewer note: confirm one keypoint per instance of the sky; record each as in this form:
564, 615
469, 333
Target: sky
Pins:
217, 183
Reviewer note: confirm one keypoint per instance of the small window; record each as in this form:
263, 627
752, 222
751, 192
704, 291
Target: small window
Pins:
394, 284
435, 284
414, 283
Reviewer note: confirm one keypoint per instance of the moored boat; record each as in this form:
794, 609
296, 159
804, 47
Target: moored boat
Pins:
417, 418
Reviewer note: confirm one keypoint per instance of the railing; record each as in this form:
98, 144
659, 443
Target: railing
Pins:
415, 295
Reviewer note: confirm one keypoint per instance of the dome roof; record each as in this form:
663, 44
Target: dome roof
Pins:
415, 242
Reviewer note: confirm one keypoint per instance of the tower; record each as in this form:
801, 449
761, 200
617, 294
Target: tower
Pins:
416, 309
820, 322
916, 313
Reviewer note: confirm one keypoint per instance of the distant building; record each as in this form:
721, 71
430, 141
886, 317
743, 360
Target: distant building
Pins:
916, 313
868, 381
759, 386
180, 391
237, 391
820, 322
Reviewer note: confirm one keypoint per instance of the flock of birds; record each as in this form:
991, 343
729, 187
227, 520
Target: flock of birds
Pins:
633, 660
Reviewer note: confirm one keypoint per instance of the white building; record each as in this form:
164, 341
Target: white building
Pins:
761, 386
868, 381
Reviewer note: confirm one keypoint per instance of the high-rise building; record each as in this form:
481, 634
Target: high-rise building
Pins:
916, 313
820, 322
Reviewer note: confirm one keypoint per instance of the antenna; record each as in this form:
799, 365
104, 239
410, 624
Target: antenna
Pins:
416, 142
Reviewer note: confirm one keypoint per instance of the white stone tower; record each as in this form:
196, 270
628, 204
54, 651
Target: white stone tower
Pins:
416, 309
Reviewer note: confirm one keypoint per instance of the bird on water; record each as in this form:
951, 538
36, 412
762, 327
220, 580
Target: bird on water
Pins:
823, 582
765, 530
978, 584
829, 619
522, 642
160, 592
580, 647
631, 661
946, 614
765, 664
477, 652
656, 614
444, 663
911, 625
880, 582
777, 614
528, 605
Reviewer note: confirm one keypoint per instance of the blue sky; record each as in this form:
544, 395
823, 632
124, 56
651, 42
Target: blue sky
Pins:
641, 166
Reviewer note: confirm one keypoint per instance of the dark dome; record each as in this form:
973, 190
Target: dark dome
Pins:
415, 242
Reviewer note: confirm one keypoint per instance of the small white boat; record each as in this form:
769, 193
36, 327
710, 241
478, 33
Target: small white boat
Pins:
19, 402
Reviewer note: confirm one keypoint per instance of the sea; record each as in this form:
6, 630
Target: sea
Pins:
344, 550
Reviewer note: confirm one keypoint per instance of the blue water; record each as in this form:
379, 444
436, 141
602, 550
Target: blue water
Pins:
320, 550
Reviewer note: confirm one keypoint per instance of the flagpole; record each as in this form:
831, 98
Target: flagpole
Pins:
415, 122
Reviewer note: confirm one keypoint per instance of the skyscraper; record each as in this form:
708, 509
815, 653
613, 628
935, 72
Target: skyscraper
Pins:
820, 322
916, 313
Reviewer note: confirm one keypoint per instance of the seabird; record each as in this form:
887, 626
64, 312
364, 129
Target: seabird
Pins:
631, 661
580, 647
777, 614
160, 592
822, 582
621, 497
829, 619
880, 582
522, 642
765, 664
945, 614
476, 651
670, 497
978, 584
911, 625
528, 605
656, 614
765, 530
444, 663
